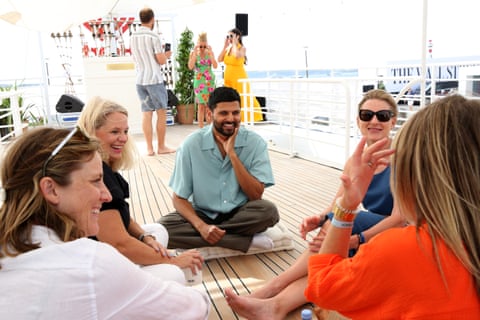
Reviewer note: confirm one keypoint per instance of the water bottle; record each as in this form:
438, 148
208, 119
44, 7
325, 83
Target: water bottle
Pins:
307, 314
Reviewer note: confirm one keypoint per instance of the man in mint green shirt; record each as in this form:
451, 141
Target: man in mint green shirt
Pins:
220, 174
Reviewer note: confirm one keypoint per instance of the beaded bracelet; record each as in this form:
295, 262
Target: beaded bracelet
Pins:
341, 224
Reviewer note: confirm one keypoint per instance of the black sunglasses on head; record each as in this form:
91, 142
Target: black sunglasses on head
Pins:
382, 115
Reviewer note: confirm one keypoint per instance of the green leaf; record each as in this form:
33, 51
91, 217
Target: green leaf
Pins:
184, 84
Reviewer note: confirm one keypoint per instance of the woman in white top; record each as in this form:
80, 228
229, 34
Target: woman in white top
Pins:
51, 195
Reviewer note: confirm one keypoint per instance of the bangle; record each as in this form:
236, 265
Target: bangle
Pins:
343, 214
341, 224
146, 234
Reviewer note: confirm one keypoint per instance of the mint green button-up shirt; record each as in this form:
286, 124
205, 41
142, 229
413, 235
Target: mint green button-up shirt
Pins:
208, 181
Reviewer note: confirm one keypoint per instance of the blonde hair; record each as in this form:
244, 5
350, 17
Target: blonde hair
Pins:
202, 37
93, 116
379, 94
436, 174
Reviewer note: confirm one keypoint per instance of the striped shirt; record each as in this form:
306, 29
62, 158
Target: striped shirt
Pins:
145, 44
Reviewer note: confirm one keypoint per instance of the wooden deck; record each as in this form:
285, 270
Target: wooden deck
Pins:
302, 188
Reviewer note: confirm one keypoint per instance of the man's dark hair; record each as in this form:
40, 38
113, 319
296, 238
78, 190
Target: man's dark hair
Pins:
146, 15
222, 94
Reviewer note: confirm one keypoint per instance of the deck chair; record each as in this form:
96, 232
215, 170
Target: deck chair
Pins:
68, 110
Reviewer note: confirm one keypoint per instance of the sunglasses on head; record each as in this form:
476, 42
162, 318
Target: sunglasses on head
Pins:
382, 115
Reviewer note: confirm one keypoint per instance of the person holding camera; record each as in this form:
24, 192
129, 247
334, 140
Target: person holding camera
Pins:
234, 56
149, 55
201, 61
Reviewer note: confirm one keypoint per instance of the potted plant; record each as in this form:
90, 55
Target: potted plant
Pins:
184, 84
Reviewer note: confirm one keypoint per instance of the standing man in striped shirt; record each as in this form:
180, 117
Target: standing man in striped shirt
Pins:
149, 55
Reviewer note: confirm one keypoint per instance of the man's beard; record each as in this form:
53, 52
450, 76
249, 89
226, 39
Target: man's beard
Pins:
219, 128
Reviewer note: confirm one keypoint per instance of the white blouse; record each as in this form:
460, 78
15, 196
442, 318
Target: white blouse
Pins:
86, 279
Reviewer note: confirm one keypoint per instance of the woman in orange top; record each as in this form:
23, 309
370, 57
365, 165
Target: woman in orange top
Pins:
234, 57
430, 269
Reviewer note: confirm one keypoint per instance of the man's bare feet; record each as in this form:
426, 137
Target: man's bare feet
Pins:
252, 308
165, 150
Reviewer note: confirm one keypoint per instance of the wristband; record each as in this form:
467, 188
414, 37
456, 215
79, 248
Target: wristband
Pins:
341, 224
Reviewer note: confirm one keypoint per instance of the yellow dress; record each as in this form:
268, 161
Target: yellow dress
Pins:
234, 70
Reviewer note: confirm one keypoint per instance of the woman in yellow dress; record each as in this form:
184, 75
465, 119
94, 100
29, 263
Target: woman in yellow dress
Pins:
234, 57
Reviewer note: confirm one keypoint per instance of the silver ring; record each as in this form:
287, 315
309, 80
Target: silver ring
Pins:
370, 164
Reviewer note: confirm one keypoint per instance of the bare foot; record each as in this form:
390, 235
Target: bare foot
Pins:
150, 152
252, 308
322, 314
268, 290
165, 150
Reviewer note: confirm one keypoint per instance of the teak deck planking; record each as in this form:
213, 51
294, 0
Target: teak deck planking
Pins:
302, 188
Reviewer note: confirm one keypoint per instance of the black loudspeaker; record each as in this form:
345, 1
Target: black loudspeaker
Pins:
172, 99
368, 87
69, 103
241, 22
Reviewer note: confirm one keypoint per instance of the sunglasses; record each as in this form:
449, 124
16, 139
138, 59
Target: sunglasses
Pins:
229, 36
382, 115
58, 148
202, 47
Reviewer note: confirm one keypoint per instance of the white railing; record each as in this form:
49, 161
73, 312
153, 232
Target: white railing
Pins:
308, 118
14, 127
315, 119
35, 99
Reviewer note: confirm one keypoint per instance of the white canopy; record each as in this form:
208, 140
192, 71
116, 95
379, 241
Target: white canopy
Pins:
61, 15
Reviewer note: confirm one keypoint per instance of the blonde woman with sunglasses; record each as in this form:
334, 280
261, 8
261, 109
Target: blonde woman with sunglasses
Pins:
429, 269
377, 116
202, 60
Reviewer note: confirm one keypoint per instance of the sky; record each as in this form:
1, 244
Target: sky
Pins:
286, 34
